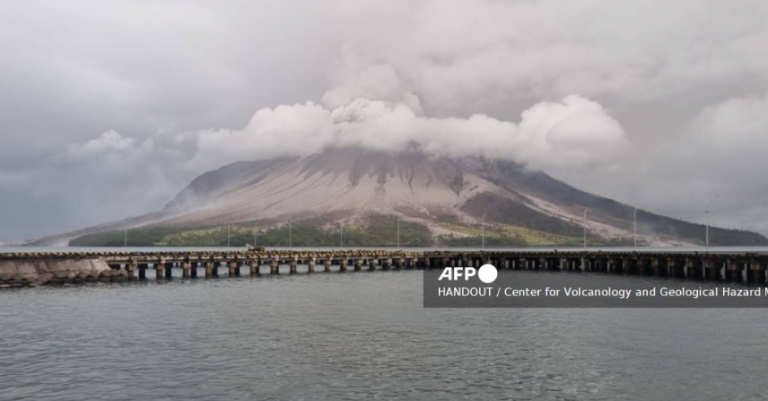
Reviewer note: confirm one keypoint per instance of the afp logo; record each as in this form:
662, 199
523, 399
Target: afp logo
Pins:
487, 273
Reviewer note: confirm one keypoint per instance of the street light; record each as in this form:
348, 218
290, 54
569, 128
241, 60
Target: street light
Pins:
290, 239
398, 232
707, 213
255, 235
635, 227
228, 236
585, 228
341, 234
482, 226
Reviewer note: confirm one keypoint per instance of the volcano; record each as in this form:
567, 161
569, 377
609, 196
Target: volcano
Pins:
452, 198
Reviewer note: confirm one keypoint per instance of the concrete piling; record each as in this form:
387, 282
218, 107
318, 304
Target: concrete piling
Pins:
757, 269
713, 268
311, 265
749, 267
734, 268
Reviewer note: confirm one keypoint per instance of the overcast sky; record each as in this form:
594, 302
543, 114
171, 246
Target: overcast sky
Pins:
107, 109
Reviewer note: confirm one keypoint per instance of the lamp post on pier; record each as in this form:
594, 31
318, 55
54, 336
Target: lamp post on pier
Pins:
398, 232
585, 228
635, 227
482, 227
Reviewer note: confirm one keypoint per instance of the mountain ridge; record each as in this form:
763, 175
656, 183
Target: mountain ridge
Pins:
451, 197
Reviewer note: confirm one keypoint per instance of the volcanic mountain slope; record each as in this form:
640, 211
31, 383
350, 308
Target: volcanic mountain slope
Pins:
450, 196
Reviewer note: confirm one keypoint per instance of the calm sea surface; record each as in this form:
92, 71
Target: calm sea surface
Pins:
361, 336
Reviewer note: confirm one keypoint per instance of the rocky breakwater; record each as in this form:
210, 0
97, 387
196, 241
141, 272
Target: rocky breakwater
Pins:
35, 272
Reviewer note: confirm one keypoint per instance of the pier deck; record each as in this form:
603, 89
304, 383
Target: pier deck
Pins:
733, 267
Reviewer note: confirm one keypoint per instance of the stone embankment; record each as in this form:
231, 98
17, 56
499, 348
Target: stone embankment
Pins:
22, 273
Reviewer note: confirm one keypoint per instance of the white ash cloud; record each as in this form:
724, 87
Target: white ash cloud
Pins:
573, 133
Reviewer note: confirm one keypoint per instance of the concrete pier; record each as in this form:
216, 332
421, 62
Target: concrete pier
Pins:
757, 270
274, 267
733, 270
160, 270
254, 267
733, 267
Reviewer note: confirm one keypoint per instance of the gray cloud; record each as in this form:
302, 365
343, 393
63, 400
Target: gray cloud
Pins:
109, 109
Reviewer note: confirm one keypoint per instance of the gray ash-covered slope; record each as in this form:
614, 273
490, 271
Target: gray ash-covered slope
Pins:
448, 195
436, 191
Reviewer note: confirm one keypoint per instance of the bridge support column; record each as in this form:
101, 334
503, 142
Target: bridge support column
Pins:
617, 266
142, 272
255, 264
676, 267
358, 264
274, 267
160, 270
601, 265
131, 270
293, 264
757, 271
186, 269
311, 265
386, 264
694, 269
629, 265
209, 266
343, 265
713, 267
733, 270
233, 268
398, 263
372, 264
644, 267
327, 264
659, 267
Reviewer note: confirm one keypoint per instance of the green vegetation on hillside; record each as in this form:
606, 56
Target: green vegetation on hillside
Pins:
504, 235
375, 230
371, 231
141, 237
